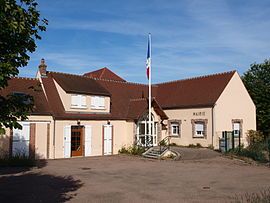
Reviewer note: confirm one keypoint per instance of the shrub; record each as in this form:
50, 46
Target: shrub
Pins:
134, 150
18, 160
210, 147
198, 145
173, 144
256, 152
162, 143
254, 137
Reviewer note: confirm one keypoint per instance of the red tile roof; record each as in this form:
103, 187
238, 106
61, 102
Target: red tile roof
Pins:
104, 73
128, 100
126, 97
31, 87
138, 107
201, 91
78, 84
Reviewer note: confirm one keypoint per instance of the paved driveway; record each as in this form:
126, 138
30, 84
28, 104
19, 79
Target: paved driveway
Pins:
133, 179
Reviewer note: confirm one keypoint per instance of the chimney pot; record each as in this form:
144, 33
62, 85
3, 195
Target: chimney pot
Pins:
42, 68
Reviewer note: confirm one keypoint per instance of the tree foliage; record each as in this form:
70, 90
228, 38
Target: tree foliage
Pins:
257, 82
20, 27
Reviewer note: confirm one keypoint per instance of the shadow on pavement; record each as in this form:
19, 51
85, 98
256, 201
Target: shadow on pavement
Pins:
36, 187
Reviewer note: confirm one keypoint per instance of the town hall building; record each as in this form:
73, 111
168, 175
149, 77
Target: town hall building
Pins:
99, 112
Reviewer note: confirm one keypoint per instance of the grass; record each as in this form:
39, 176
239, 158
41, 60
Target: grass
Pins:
261, 197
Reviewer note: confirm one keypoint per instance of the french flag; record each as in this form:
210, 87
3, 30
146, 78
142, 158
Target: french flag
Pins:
148, 59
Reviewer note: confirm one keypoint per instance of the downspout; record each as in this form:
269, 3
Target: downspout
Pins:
213, 128
53, 137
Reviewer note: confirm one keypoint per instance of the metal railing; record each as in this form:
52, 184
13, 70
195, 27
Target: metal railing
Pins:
164, 144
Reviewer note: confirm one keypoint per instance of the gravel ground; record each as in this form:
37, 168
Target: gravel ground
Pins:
207, 177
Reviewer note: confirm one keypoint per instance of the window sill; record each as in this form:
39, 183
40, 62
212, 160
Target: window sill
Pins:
176, 136
97, 108
79, 107
199, 137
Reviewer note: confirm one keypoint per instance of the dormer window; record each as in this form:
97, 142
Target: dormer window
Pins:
78, 101
97, 102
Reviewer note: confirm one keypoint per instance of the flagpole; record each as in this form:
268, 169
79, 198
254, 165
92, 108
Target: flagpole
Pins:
149, 86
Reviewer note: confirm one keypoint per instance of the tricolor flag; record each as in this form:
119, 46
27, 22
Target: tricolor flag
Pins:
148, 60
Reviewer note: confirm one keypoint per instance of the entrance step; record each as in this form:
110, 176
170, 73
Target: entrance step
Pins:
155, 152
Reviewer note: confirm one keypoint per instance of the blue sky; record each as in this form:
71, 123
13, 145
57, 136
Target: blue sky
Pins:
189, 37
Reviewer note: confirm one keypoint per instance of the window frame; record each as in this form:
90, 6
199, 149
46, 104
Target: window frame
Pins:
81, 104
240, 122
177, 126
194, 132
95, 103
173, 123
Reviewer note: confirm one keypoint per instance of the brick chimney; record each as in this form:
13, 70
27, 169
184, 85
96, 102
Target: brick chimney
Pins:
42, 68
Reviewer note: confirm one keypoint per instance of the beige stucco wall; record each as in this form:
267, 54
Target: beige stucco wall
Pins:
186, 115
122, 135
66, 100
40, 136
234, 103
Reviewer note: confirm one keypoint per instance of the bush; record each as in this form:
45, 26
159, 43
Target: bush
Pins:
17, 161
211, 147
254, 137
198, 145
257, 152
162, 143
134, 150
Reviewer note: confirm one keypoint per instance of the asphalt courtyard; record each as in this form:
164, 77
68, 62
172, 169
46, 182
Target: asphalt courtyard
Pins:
122, 178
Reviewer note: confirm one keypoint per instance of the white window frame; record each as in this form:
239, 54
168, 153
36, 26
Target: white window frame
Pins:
98, 102
199, 133
82, 104
175, 125
236, 132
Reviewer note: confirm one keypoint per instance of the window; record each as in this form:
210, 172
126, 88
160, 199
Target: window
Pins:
97, 102
199, 128
175, 129
236, 129
78, 101
24, 98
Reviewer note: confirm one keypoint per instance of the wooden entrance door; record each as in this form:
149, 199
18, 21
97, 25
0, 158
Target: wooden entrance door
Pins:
76, 140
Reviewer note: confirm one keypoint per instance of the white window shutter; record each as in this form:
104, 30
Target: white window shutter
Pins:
83, 101
67, 141
74, 100
101, 102
199, 127
88, 140
93, 101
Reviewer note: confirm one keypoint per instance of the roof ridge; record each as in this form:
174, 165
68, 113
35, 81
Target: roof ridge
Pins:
197, 77
138, 99
103, 70
118, 81
25, 78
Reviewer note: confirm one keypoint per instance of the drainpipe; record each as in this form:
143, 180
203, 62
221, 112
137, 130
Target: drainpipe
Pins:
213, 128
53, 138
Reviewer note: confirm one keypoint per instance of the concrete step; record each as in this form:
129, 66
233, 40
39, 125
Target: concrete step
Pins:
151, 156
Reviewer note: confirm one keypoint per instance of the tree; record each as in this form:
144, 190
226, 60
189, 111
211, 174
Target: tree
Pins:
20, 25
257, 82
